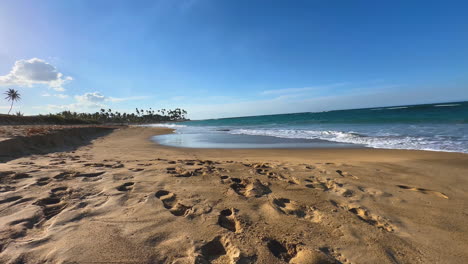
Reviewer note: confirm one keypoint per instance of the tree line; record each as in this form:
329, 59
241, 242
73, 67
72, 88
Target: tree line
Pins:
140, 116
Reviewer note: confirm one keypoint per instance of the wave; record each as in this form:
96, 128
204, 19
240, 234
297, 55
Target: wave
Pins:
397, 107
446, 105
165, 125
386, 142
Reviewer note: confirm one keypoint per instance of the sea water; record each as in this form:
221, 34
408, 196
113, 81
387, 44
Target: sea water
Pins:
437, 127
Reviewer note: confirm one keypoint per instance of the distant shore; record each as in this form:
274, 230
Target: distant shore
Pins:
116, 196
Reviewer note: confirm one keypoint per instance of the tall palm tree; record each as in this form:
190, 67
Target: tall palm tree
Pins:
13, 96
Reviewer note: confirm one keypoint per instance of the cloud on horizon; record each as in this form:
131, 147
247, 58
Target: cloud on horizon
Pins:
94, 100
35, 71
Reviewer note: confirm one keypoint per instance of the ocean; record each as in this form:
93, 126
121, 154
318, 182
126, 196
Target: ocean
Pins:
436, 127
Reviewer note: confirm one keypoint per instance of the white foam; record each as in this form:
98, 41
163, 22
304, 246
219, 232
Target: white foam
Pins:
165, 125
397, 107
387, 142
446, 105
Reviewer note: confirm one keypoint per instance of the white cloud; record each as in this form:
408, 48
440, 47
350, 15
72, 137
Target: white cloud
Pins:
96, 98
61, 96
87, 101
35, 71
90, 98
83, 102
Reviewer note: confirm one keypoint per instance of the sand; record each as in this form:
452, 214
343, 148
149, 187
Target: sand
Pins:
124, 199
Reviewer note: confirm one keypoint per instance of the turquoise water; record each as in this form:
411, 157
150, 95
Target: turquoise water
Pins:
439, 127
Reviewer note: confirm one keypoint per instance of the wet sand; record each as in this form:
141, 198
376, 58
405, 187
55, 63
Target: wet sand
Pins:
125, 199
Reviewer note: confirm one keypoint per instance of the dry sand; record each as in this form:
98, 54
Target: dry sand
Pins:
125, 199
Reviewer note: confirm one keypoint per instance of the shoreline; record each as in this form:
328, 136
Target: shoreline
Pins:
332, 137
365, 153
123, 197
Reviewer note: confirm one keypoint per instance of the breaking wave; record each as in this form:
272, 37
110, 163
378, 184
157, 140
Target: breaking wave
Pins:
382, 141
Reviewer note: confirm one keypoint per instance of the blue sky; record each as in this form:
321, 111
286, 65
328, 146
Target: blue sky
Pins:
219, 58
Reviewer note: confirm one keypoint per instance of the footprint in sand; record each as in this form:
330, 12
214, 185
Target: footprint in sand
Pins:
422, 190
282, 251
180, 172
11, 177
186, 174
328, 185
171, 170
26, 163
364, 215
136, 169
54, 203
10, 199
90, 175
170, 202
94, 165
221, 250
51, 206
225, 179
236, 180
64, 176
228, 220
332, 256
212, 251
293, 208
43, 181
261, 171
57, 163
249, 188
19, 176
128, 186
6, 188
295, 254
59, 190
346, 174
116, 166
21, 225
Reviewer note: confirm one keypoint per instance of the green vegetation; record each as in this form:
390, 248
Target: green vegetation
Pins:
108, 116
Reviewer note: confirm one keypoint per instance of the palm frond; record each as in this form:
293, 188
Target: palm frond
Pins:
12, 95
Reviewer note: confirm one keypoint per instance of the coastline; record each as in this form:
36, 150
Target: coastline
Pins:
150, 202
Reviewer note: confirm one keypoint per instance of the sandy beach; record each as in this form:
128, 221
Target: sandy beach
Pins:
121, 198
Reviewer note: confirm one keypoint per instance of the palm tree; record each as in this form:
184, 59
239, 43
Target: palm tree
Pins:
13, 96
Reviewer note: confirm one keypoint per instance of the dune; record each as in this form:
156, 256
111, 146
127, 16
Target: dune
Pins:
110, 195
